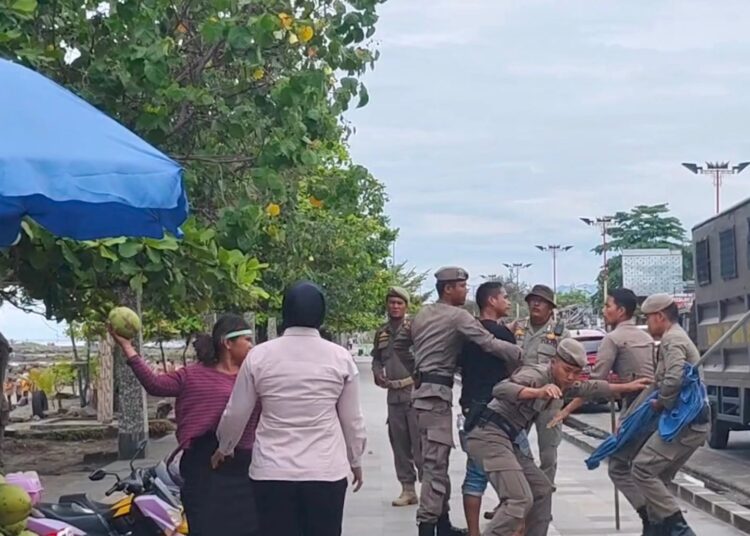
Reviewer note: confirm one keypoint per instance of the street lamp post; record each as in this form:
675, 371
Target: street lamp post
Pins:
516, 268
554, 249
603, 224
717, 171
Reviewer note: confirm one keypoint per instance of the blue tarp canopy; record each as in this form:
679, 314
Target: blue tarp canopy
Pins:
76, 171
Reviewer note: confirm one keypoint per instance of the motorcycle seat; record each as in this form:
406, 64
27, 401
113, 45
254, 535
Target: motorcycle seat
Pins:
74, 514
83, 500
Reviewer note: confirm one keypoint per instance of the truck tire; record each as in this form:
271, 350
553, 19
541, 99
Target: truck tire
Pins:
719, 436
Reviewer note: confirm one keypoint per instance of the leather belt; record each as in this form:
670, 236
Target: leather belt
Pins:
427, 377
498, 420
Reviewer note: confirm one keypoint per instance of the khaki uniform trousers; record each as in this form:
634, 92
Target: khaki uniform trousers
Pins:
657, 464
524, 491
404, 437
620, 468
549, 439
435, 426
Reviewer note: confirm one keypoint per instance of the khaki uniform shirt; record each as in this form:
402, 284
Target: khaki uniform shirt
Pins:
522, 413
386, 362
627, 351
437, 334
540, 345
675, 349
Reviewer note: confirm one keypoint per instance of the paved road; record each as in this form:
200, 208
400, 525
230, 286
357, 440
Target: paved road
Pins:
729, 467
583, 504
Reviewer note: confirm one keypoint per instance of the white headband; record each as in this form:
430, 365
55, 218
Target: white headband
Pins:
233, 334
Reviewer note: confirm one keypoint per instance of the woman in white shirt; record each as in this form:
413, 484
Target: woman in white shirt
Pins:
311, 433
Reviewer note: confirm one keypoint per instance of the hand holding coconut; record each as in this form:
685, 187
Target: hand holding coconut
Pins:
123, 324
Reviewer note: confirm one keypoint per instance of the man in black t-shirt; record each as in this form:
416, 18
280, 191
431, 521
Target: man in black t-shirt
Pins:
480, 372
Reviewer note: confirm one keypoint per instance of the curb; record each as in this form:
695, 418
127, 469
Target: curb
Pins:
740, 495
686, 487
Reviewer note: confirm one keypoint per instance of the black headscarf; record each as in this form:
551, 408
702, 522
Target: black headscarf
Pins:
304, 306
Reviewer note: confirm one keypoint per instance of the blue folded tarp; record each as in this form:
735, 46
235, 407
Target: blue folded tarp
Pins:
691, 400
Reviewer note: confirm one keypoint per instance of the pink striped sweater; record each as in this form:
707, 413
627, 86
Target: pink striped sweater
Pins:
201, 394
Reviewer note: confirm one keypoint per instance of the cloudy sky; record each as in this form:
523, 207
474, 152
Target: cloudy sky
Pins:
496, 124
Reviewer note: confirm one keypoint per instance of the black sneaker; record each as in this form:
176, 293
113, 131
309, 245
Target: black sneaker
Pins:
649, 527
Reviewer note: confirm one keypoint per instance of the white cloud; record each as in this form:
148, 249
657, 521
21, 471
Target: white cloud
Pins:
438, 24
683, 25
575, 69
429, 40
446, 224
401, 136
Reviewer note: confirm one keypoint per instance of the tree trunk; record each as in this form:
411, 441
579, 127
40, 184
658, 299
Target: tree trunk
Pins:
250, 319
163, 357
133, 418
184, 350
105, 388
73, 342
87, 375
76, 357
271, 330
5, 351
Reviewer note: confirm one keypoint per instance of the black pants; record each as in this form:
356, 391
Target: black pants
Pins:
221, 501
290, 508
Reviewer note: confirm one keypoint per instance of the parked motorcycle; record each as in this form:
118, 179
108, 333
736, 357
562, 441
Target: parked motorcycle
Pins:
150, 507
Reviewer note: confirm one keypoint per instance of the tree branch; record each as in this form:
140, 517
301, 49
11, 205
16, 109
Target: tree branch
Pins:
194, 70
215, 159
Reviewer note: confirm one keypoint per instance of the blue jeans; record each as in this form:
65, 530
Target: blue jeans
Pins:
475, 481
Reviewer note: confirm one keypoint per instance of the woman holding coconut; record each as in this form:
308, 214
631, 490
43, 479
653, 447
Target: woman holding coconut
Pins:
220, 501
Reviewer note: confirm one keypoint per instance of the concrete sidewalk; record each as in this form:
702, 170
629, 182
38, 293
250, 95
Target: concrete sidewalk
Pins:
583, 503
728, 469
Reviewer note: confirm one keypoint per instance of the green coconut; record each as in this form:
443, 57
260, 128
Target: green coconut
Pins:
15, 506
16, 529
124, 322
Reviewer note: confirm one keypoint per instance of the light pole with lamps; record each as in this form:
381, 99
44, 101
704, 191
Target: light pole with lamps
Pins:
554, 249
516, 267
717, 170
603, 223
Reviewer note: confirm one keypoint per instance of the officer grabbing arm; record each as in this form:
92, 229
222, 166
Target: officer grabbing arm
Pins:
499, 441
437, 335
626, 350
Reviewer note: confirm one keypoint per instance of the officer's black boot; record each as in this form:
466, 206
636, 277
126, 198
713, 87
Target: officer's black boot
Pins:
444, 528
649, 528
675, 525
427, 529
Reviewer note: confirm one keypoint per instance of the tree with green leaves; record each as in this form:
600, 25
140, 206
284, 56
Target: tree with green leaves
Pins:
642, 227
244, 94
414, 282
248, 96
572, 297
